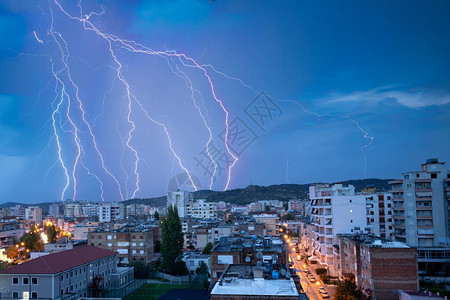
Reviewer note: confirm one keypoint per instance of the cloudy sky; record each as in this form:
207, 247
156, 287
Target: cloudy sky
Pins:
107, 100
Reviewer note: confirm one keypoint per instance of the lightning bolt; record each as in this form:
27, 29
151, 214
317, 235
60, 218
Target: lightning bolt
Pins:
37, 39
64, 59
55, 131
369, 138
139, 48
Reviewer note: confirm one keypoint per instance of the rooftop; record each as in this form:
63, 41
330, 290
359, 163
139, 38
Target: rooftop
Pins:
372, 241
252, 280
60, 261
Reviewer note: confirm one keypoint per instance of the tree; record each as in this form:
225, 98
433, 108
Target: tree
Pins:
156, 215
267, 208
207, 249
172, 243
157, 247
347, 290
140, 269
32, 241
12, 252
201, 265
52, 233
286, 206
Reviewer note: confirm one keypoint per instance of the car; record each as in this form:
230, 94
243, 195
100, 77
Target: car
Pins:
312, 279
321, 289
325, 294
306, 270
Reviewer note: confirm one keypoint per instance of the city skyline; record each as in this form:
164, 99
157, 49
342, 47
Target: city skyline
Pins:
324, 93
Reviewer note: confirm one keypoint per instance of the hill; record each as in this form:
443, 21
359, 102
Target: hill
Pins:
283, 192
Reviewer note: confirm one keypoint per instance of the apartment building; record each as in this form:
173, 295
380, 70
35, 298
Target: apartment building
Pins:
34, 214
380, 267
54, 210
62, 275
422, 213
246, 250
254, 282
380, 214
180, 199
421, 206
334, 209
201, 209
130, 244
110, 211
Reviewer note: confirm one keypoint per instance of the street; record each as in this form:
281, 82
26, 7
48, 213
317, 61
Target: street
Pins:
311, 288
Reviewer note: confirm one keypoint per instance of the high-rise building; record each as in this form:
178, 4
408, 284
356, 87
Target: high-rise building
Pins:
334, 209
421, 206
180, 199
421, 214
380, 215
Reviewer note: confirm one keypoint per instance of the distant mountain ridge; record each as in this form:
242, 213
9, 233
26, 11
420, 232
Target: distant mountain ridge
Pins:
251, 193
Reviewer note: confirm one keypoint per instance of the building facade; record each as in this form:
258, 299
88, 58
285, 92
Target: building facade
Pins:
63, 275
380, 267
131, 246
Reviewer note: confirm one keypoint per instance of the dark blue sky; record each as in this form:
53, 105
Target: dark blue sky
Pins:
385, 65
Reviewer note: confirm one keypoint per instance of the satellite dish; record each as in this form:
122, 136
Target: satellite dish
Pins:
283, 272
279, 250
288, 275
247, 259
259, 255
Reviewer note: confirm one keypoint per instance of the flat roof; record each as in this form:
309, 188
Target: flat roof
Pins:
258, 286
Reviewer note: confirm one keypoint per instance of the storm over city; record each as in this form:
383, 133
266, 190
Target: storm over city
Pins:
180, 149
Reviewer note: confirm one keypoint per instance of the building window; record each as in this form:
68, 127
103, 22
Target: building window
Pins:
433, 175
417, 175
34, 280
71, 287
62, 291
25, 280
141, 237
15, 280
99, 244
62, 277
15, 295
34, 295
141, 244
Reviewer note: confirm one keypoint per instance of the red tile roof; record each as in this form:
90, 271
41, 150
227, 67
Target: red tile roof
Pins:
60, 261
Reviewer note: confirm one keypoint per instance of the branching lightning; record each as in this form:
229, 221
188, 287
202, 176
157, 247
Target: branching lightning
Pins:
68, 97
342, 116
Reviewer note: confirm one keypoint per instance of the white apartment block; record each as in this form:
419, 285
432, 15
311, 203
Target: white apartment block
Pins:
110, 211
422, 206
180, 199
380, 215
73, 210
201, 209
334, 209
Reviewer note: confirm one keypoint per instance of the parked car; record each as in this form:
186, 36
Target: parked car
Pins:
325, 294
306, 270
312, 279
321, 289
